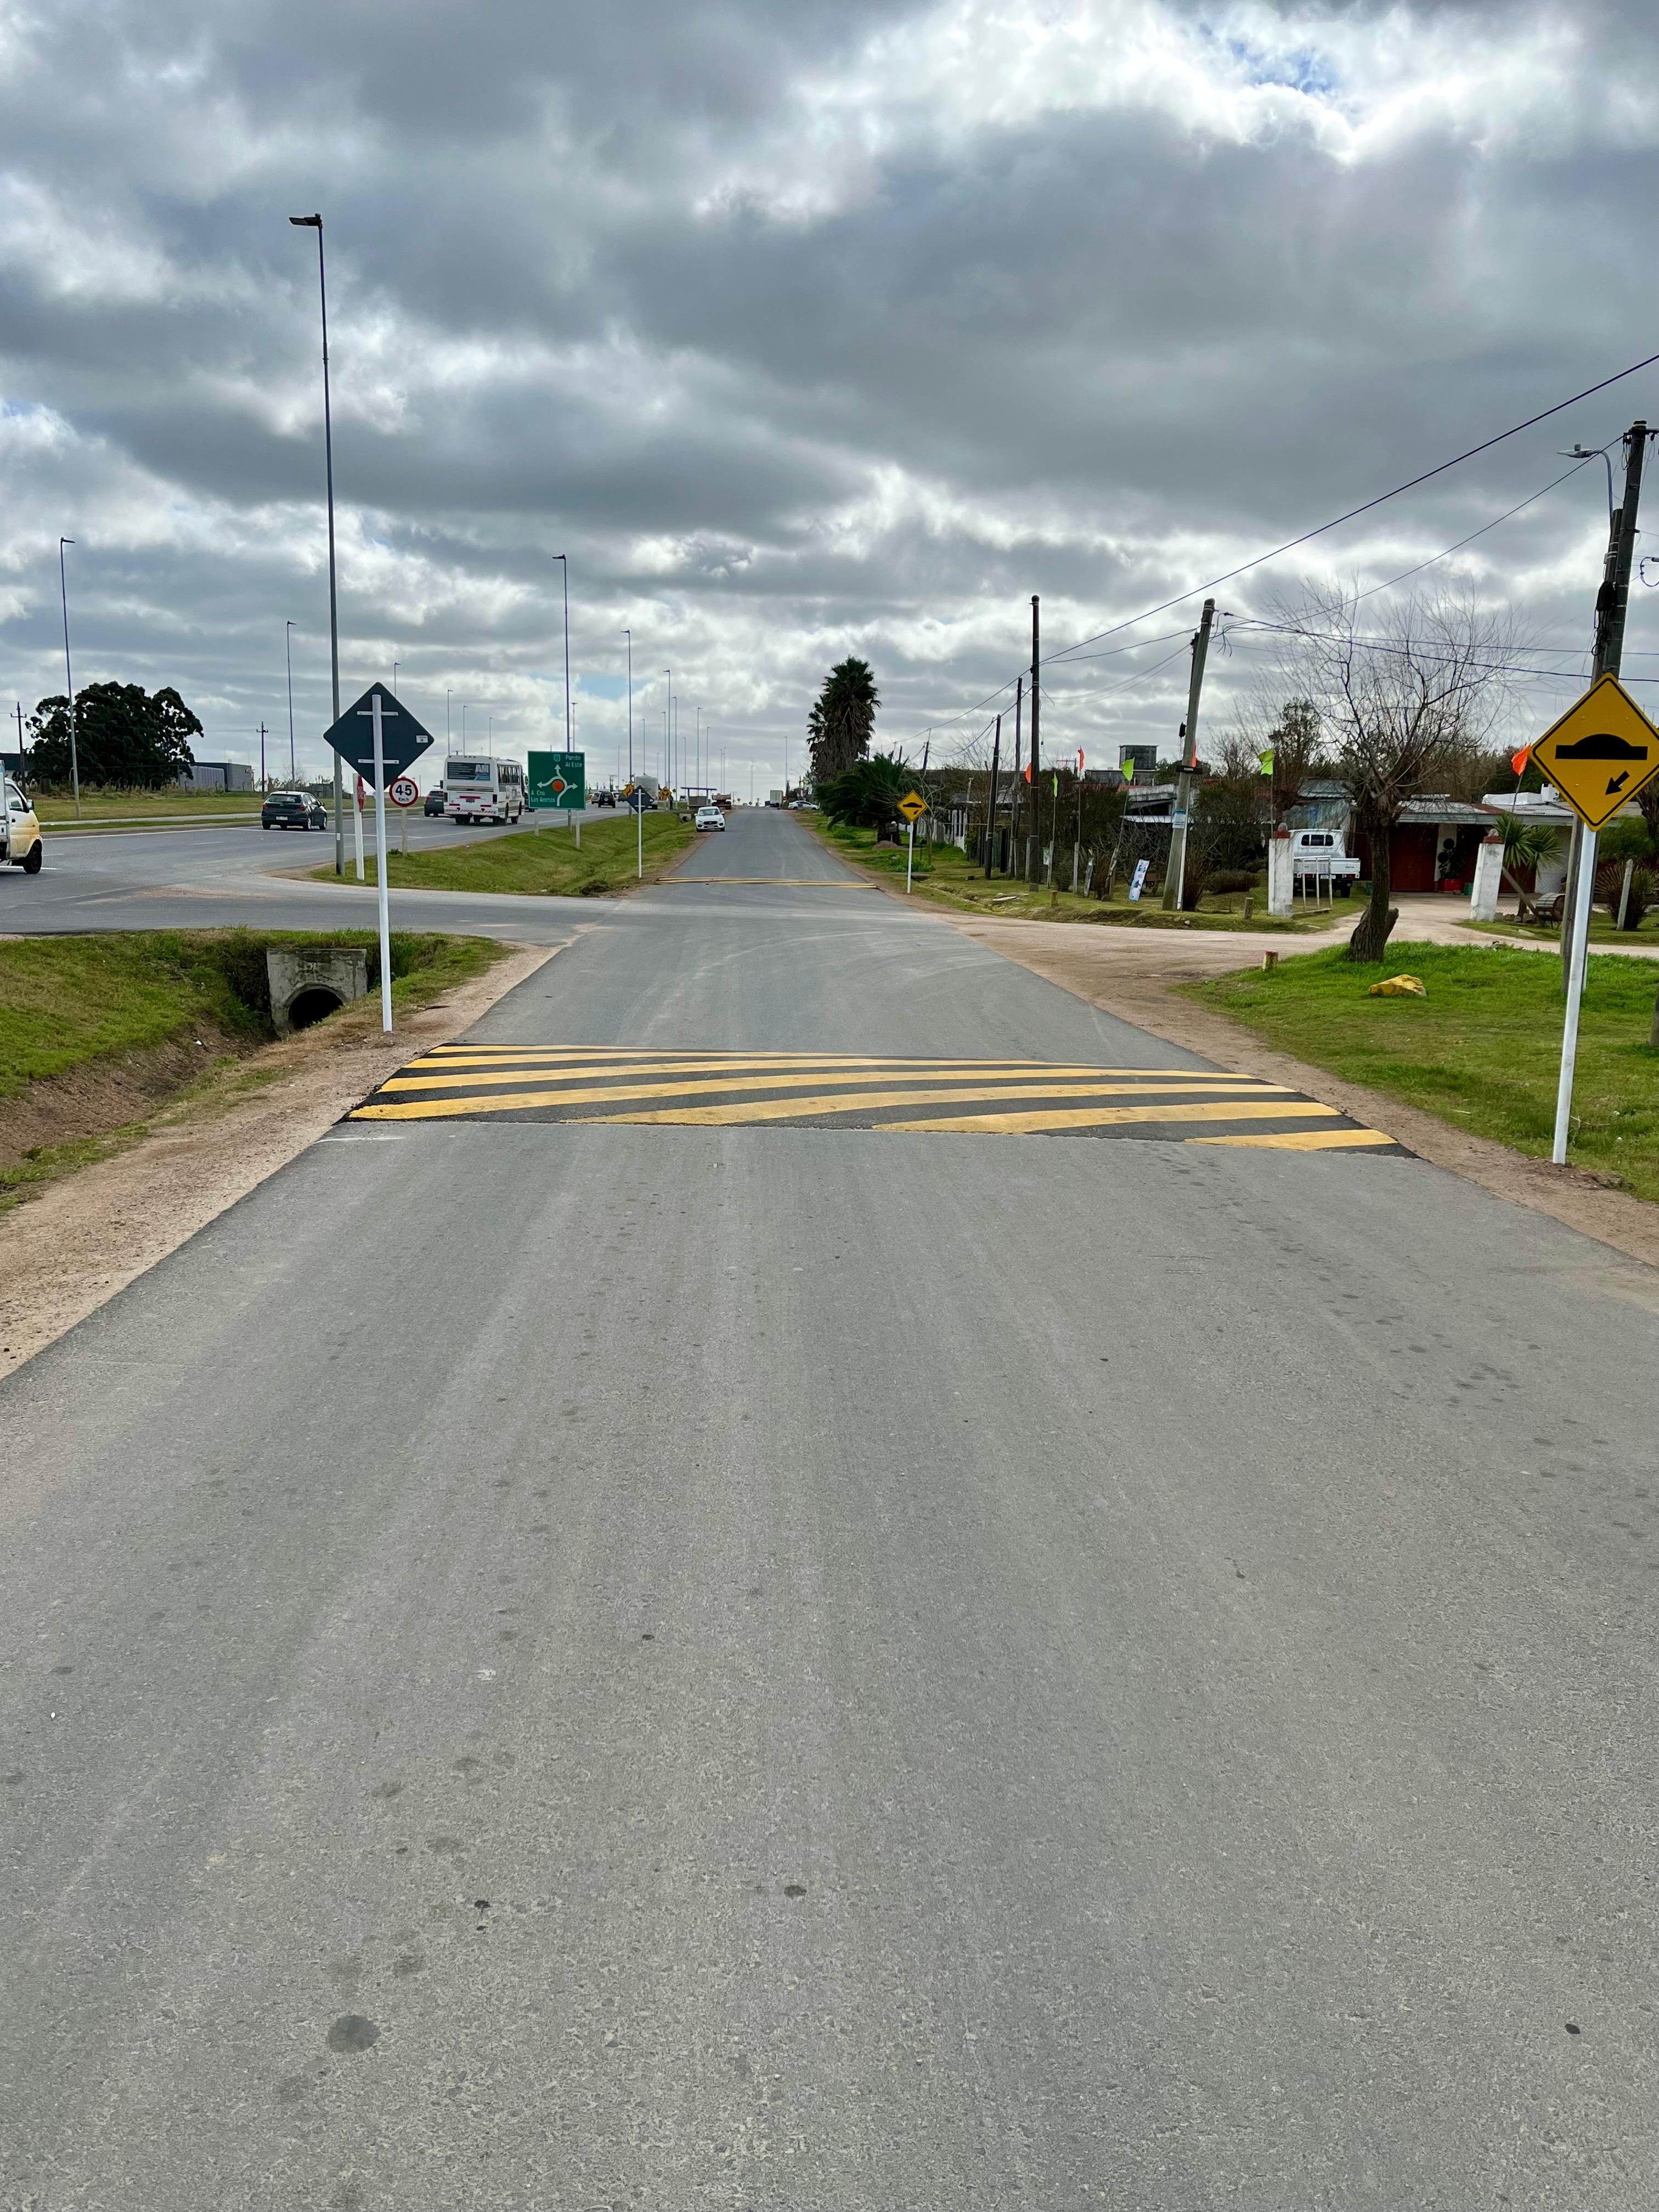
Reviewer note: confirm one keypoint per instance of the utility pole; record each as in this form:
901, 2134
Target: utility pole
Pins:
22, 757
288, 654
991, 815
1037, 804
1611, 602
1607, 654
1174, 874
1013, 811
262, 756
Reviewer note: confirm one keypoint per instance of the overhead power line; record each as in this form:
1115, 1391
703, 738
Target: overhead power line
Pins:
1364, 507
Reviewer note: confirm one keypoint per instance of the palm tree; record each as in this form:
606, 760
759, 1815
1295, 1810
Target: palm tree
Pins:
842, 720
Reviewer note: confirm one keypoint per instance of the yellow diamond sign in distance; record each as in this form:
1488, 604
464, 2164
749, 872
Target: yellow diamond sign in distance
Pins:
1603, 751
912, 806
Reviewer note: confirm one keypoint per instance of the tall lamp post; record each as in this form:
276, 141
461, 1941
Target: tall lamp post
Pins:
68, 679
564, 570
637, 795
668, 729
287, 649
315, 222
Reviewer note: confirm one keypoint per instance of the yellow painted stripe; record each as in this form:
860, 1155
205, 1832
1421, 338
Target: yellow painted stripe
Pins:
1018, 1125
557, 1056
723, 1080
785, 1109
1304, 1140
770, 1109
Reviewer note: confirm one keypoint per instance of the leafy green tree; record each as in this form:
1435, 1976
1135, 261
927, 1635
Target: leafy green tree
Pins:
866, 794
124, 736
842, 720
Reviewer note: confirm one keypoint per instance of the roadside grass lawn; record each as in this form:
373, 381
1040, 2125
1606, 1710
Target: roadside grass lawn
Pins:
544, 861
1483, 1050
1604, 930
951, 878
99, 1004
141, 807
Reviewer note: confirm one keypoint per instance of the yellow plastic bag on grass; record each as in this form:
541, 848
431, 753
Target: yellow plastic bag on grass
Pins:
1399, 987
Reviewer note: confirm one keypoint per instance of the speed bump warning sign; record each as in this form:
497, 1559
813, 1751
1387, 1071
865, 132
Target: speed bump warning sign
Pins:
1603, 751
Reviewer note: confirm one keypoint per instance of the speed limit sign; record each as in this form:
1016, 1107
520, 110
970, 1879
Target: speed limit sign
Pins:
403, 791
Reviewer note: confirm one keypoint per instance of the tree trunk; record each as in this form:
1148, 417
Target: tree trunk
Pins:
1370, 940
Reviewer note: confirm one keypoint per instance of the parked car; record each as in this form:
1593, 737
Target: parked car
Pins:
710, 817
1324, 852
292, 810
435, 801
21, 841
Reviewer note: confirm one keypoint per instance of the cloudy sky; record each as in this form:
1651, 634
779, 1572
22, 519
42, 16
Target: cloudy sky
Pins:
803, 327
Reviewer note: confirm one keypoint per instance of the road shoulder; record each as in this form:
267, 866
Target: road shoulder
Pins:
69, 1251
1141, 990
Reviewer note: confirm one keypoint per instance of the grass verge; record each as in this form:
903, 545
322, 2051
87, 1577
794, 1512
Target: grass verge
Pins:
99, 1035
949, 878
1604, 931
1482, 1051
141, 807
543, 862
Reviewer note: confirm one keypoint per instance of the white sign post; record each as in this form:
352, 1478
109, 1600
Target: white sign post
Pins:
380, 865
1580, 954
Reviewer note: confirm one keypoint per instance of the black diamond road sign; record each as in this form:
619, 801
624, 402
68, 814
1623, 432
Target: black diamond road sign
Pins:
402, 739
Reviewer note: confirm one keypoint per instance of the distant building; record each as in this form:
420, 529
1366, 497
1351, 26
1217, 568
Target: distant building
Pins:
1139, 763
218, 776
1107, 779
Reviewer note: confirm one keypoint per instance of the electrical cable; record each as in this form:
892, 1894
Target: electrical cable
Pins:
1364, 507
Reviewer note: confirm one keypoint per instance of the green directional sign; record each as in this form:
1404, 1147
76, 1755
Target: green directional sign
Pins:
558, 780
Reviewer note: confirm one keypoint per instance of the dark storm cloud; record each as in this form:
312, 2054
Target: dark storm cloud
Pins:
799, 328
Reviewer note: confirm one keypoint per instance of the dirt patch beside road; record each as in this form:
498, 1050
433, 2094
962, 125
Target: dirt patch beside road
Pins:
68, 1251
1134, 978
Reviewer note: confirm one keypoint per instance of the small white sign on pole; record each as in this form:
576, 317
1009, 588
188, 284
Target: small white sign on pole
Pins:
1138, 881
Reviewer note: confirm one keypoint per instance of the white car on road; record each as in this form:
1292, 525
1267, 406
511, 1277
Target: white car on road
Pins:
710, 817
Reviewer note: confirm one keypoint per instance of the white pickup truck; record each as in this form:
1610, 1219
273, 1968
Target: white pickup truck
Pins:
20, 831
1324, 852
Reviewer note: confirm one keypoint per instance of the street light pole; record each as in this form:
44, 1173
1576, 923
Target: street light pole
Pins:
635, 793
69, 679
668, 729
315, 222
563, 561
288, 650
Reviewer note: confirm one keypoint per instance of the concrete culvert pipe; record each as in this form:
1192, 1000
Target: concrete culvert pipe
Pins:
310, 982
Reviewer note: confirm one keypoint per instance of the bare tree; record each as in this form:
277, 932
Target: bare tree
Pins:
1405, 693
1291, 733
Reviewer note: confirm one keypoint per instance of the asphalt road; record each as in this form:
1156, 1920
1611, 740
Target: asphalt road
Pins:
849, 1670
197, 878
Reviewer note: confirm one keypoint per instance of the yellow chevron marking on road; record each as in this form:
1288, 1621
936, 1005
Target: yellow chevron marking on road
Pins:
757, 1110
1305, 1140
668, 1087
1025, 1124
554, 1058
718, 1078
789, 1110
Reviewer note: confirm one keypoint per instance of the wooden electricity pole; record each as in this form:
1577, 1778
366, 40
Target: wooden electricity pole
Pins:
1608, 651
1037, 694
1174, 874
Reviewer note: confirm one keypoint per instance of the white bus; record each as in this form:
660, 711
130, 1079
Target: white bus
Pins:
484, 790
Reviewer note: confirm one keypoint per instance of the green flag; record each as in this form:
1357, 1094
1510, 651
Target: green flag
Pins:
1265, 762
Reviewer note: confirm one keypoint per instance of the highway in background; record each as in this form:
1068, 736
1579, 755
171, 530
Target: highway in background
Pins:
669, 1663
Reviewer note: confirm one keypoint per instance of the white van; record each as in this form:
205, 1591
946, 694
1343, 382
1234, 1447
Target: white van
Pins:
484, 790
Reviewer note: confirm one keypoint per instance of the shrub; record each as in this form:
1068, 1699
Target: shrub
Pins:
1230, 880
1609, 888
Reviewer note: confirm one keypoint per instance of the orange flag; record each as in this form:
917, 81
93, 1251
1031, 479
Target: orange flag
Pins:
1518, 761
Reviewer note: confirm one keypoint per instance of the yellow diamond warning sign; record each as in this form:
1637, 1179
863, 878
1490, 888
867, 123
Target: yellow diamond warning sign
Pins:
912, 806
1600, 753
